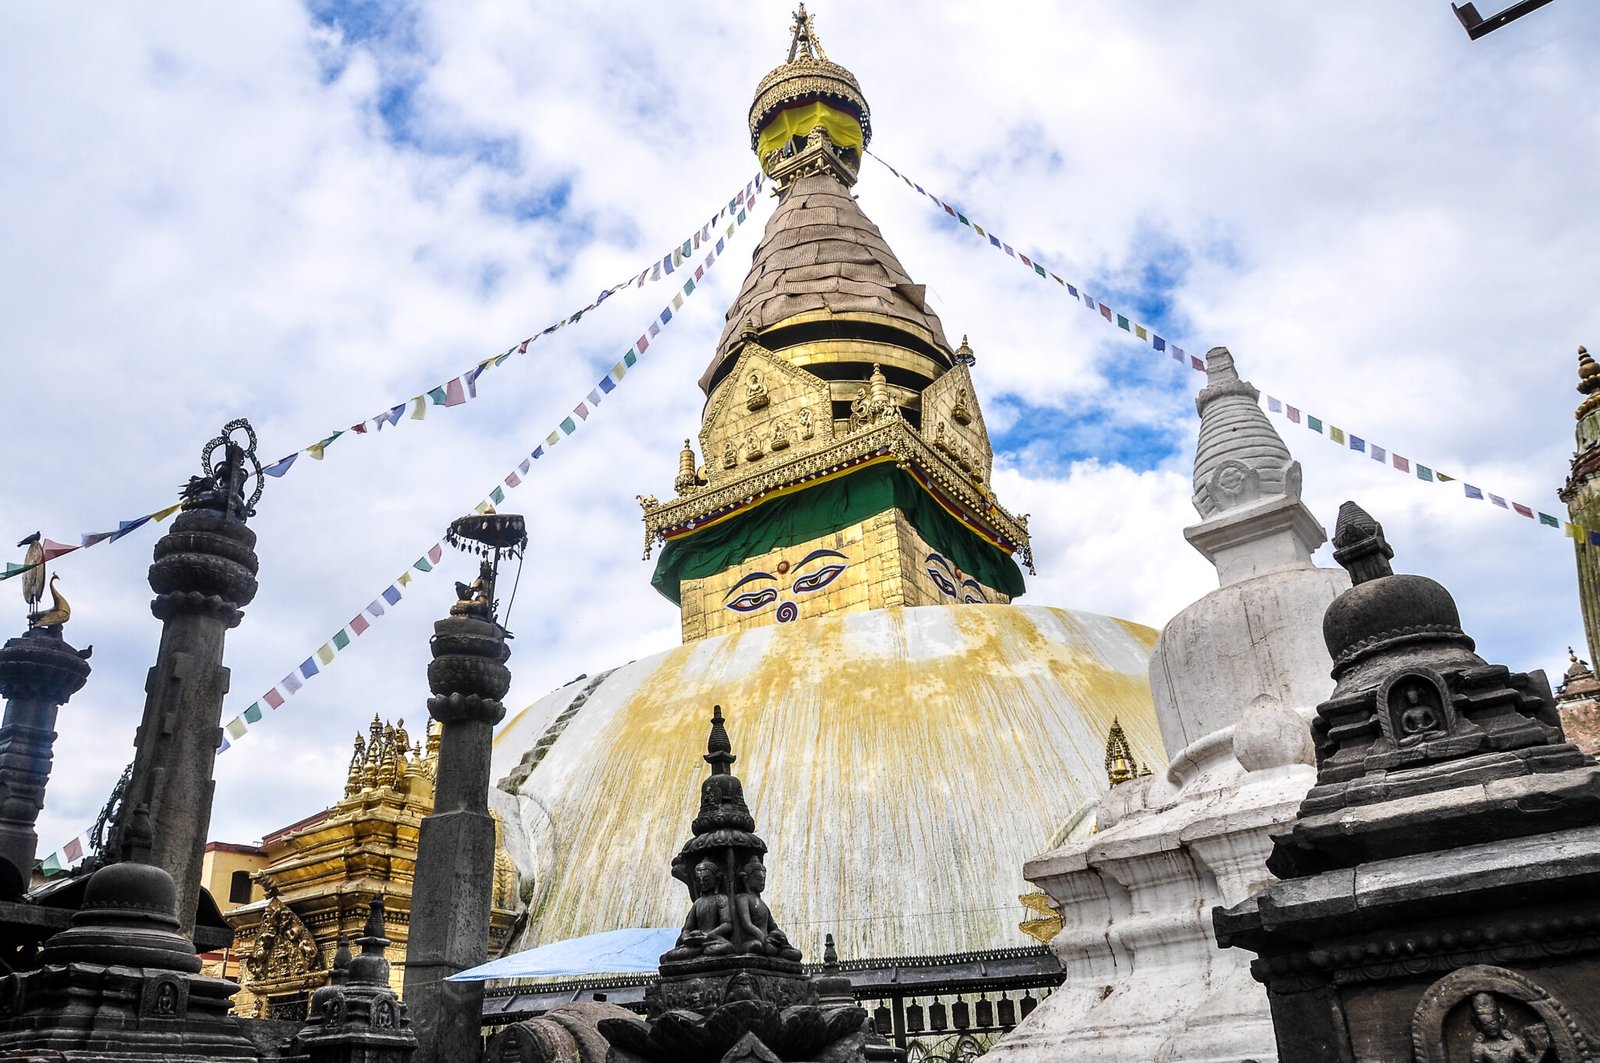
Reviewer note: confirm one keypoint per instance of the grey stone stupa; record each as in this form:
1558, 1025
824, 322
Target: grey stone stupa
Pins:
123, 983
1437, 893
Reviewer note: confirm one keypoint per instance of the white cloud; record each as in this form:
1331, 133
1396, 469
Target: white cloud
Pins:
205, 214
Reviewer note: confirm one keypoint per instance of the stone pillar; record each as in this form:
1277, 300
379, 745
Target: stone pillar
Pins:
203, 574
38, 673
451, 897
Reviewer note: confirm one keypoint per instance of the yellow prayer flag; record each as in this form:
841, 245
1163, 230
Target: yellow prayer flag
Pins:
1138, 330
1570, 530
405, 578
165, 513
420, 410
677, 301
1336, 434
481, 507
315, 450
325, 653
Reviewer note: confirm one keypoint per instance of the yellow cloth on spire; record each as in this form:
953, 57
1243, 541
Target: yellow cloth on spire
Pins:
842, 128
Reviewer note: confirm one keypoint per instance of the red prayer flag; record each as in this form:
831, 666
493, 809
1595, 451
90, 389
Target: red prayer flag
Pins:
74, 850
1524, 510
512, 479
581, 410
358, 624
642, 344
274, 698
1196, 364
53, 549
1403, 464
454, 395
1105, 311
522, 348
435, 552
1293, 412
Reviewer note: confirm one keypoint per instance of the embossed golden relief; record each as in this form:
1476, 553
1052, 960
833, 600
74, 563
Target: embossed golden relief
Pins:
765, 408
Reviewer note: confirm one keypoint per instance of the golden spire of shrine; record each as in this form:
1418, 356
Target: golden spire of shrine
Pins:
1121, 766
808, 93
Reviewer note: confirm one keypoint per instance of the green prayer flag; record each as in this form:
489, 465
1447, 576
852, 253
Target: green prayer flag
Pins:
1424, 473
741, 217
423, 565
437, 395
498, 495
253, 713
630, 359
342, 639
1122, 323
688, 286
1547, 519
1313, 423
52, 864
962, 218
566, 426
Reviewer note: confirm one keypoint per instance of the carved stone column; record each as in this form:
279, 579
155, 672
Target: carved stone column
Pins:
455, 852
38, 673
203, 574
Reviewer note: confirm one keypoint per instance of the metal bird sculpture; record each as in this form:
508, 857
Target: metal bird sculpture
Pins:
58, 613
33, 579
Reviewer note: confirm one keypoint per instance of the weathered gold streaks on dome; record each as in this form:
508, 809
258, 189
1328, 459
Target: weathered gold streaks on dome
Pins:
932, 735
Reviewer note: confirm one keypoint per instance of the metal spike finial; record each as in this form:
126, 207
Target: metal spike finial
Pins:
804, 36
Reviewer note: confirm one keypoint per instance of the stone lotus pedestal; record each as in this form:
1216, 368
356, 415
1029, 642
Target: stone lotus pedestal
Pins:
1437, 893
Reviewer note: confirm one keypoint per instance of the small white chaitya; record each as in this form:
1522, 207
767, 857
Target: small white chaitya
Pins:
1235, 678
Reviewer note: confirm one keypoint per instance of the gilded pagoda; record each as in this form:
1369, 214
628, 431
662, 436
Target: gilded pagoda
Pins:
308, 887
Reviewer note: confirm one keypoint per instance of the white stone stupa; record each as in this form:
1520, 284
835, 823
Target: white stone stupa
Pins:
1236, 677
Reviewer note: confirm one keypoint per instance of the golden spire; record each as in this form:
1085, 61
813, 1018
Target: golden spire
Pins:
687, 478
1120, 765
804, 35
352, 781
1588, 383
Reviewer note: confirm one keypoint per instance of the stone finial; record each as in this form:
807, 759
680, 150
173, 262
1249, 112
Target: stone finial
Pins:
719, 747
1240, 457
1359, 546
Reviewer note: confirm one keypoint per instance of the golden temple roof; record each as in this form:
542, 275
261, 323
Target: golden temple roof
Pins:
1588, 383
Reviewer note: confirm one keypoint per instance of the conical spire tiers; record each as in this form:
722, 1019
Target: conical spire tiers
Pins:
1240, 457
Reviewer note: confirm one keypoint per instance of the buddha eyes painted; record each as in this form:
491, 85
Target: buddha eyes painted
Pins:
808, 578
952, 583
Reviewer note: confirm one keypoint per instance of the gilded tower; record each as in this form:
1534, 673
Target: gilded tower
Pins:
843, 460
1581, 493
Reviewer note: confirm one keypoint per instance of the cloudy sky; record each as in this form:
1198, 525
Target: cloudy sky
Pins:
305, 215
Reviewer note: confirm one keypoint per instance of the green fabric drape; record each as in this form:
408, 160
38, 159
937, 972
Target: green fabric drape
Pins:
825, 509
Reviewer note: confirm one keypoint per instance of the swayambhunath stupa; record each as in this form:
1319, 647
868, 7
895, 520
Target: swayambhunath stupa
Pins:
842, 485
847, 774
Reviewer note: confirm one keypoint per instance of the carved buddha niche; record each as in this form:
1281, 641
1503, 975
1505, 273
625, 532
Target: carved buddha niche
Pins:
756, 395
1496, 1039
780, 435
1413, 709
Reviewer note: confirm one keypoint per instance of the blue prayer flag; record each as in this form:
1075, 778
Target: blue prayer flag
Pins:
392, 594
308, 667
607, 384
1472, 492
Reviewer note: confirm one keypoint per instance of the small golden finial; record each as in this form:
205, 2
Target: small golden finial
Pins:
1121, 767
964, 353
804, 36
687, 479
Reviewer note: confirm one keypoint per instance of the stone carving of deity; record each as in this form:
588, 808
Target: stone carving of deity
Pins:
761, 935
806, 429
730, 456
752, 445
1495, 1040
756, 393
780, 435
708, 930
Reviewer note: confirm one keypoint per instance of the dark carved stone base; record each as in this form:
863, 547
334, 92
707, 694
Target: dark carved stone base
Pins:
705, 984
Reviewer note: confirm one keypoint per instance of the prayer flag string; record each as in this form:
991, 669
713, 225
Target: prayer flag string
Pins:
1281, 407
460, 389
